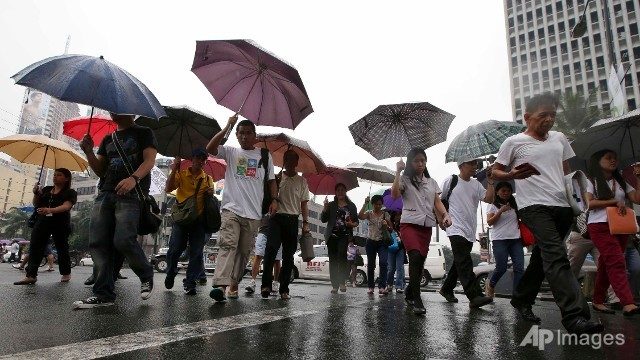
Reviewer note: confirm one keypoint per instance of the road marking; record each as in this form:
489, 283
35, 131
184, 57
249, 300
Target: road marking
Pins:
93, 349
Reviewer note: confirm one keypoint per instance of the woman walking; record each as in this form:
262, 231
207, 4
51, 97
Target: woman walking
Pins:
379, 221
421, 207
505, 236
341, 217
608, 189
396, 257
53, 204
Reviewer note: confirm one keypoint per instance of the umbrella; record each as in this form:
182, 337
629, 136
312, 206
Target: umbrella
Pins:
91, 81
617, 134
393, 130
372, 172
309, 161
324, 182
183, 130
213, 166
43, 151
76, 128
481, 139
390, 203
254, 83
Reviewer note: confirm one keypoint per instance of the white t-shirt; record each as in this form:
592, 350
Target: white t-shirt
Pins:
546, 156
243, 181
15, 248
506, 228
600, 215
463, 206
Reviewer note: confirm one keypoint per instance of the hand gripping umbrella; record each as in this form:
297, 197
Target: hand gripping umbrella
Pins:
309, 161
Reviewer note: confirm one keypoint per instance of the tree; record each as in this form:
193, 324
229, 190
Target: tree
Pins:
80, 221
577, 113
13, 224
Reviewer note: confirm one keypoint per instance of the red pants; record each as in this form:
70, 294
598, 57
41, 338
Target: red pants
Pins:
612, 268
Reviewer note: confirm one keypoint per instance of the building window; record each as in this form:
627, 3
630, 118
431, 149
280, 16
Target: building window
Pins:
545, 74
512, 41
572, 22
556, 73
554, 51
520, 19
603, 85
561, 26
576, 67
541, 33
568, 91
533, 57
535, 77
630, 6
606, 107
627, 80
633, 29
591, 86
624, 55
563, 48
636, 52
521, 38
516, 82
620, 32
549, 9
532, 36
600, 62
597, 40
529, 16
313, 214
585, 41
313, 227
517, 102
543, 53
523, 58
322, 229
632, 104
538, 13
617, 8
594, 17
510, 22
559, 6
588, 65
514, 61
509, 4
551, 30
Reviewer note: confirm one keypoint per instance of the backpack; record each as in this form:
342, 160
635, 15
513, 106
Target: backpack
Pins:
454, 182
267, 199
212, 216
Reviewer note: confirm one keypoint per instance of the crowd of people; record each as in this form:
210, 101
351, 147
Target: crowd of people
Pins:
260, 211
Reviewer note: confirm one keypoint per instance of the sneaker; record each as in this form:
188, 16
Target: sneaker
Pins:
145, 289
389, 288
275, 288
265, 293
251, 288
191, 291
168, 282
449, 296
90, 281
90, 303
480, 301
399, 291
17, 267
217, 294
285, 296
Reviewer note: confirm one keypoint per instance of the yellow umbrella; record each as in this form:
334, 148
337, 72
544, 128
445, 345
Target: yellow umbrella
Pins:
43, 151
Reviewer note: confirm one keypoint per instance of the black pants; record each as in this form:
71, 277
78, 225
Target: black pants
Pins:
283, 230
416, 266
337, 249
45, 228
550, 225
462, 268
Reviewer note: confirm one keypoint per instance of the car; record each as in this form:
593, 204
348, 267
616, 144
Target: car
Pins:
86, 261
318, 268
159, 260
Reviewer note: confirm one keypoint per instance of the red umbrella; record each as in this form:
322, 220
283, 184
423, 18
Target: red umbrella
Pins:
309, 161
324, 183
98, 127
213, 166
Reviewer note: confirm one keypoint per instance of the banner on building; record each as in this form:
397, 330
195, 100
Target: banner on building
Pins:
616, 86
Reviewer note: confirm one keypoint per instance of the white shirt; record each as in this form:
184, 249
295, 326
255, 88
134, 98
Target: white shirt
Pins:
463, 206
293, 191
417, 203
244, 181
506, 228
600, 215
15, 248
547, 156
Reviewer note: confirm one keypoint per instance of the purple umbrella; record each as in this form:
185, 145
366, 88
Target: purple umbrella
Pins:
247, 79
390, 203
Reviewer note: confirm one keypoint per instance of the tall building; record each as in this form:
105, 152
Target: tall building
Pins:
16, 187
544, 57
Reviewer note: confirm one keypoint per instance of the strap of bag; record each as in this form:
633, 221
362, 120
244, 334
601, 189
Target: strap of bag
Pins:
264, 160
454, 182
127, 164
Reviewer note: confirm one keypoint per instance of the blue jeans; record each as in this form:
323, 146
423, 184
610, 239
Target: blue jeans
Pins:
114, 226
181, 236
502, 250
373, 248
633, 267
396, 266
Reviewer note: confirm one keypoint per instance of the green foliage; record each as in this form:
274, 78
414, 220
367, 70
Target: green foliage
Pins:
80, 220
576, 113
13, 224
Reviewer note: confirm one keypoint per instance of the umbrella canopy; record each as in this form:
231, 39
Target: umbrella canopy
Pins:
619, 134
98, 127
324, 183
214, 167
43, 151
91, 81
252, 82
373, 172
309, 161
481, 140
390, 203
181, 131
393, 130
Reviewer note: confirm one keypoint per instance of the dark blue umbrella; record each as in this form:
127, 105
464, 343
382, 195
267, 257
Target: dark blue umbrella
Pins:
91, 81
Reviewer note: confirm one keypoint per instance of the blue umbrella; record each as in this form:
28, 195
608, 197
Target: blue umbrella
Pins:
91, 81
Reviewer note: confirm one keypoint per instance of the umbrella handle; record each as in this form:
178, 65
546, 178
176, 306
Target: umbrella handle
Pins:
226, 135
46, 149
90, 121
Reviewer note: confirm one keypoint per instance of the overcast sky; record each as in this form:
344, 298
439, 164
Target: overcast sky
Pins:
351, 56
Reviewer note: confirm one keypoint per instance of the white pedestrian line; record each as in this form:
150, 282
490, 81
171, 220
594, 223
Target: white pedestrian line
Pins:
119, 344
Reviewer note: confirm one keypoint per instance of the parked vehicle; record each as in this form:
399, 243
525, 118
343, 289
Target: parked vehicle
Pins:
159, 260
86, 261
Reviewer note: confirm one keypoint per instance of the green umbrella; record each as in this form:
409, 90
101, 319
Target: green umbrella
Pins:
481, 140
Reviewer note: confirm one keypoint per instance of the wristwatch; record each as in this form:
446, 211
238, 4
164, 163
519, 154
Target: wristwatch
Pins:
137, 179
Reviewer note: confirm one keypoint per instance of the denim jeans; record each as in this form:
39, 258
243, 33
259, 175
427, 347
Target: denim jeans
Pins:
114, 226
396, 266
376, 248
181, 236
502, 250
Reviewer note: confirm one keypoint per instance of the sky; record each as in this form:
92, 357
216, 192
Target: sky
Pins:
352, 56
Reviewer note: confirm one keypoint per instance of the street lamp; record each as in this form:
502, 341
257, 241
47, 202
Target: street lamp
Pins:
580, 28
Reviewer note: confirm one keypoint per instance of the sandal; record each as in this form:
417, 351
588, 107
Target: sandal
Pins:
604, 309
65, 278
370, 291
285, 296
343, 288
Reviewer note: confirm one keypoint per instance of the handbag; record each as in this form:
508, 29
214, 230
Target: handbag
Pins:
266, 199
526, 235
306, 247
384, 231
212, 216
186, 212
150, 219
621, 224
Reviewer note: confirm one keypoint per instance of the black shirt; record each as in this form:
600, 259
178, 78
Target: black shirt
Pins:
133, 141
49, 200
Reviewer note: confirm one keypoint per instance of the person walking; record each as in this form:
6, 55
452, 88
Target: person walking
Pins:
248, 169
341, 217
259, 252
190, 183
396, 258
116, 210
464, 197
293, 196
502, 216
378, 221
421, 207
607, 189
14, 249
353, 252
538, 160
53, 205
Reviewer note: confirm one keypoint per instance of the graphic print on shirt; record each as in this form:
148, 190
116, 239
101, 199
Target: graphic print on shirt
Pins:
247, 167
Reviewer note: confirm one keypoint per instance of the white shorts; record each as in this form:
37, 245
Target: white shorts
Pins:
261, 246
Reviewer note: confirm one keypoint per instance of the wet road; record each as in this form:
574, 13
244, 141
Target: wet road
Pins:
38, 322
